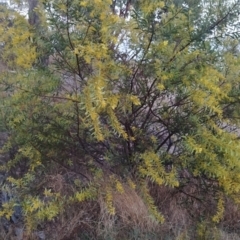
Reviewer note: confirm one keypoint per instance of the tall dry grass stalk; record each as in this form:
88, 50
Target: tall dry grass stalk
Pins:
132, 220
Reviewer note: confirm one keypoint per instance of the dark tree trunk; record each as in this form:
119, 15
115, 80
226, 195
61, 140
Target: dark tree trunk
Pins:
35, 21
33, 17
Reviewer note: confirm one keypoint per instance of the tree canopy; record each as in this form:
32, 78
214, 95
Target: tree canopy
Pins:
133, 93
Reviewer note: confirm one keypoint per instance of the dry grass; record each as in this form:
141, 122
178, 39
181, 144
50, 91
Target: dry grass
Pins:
131, 213
223, 235
177, 220
78, 219
92, 220
231, 219
132, 210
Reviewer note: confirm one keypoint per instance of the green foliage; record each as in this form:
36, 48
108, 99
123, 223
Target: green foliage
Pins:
135, 93
16, 49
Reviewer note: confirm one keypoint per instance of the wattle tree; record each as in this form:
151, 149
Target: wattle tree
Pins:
109, 95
